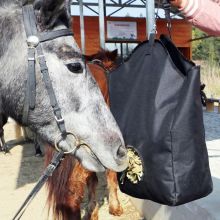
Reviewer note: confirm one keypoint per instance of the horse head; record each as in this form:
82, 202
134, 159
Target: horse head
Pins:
82, 105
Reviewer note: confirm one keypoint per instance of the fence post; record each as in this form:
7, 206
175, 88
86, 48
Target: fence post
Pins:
82, 27
150, 17
101, 24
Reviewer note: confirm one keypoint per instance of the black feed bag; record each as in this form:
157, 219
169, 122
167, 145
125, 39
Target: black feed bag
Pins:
155, 99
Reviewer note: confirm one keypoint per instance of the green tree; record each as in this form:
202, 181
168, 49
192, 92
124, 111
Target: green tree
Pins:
207, 49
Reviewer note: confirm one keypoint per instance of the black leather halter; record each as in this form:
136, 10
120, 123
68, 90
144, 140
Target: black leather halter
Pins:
34, 40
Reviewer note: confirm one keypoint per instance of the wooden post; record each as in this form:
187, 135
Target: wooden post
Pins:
209, 106
219, 106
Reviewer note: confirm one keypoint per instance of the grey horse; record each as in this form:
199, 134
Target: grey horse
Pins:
82, 105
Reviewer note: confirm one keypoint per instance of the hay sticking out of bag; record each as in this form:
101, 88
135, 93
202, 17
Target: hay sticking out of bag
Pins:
134, 171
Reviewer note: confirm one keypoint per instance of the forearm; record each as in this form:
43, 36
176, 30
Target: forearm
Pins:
204, 14
179, 3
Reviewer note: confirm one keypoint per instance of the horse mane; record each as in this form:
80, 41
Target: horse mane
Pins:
58, 185
9, 26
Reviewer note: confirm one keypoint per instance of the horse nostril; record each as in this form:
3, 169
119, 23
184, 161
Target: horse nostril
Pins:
121, 152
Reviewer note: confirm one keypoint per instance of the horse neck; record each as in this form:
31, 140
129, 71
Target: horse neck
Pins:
12, 57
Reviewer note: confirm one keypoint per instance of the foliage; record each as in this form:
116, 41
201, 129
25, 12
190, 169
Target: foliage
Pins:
210, 76
205, 49
206, 52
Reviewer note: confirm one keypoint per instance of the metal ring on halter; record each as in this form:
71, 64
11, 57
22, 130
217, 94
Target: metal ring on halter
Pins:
59, 138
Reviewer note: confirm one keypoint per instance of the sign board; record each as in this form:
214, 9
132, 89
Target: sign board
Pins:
121, 30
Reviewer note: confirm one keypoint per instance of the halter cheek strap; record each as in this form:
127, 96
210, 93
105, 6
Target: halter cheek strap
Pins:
34, 40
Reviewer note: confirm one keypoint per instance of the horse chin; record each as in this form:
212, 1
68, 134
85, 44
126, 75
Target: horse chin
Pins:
89, 162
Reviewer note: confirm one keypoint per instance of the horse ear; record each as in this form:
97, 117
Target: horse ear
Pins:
113, 54
67, 15
68, 5
38, 4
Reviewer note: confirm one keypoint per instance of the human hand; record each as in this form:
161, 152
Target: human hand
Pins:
178, 3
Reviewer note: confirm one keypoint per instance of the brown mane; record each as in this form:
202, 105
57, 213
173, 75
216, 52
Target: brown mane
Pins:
57, 185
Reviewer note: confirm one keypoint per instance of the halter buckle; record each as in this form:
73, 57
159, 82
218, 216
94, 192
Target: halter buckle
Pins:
59, 120
33, 41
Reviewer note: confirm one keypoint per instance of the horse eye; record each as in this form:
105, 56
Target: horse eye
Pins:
75, 67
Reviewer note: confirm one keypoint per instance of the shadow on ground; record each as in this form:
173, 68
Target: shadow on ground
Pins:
212, 128
30, 166
206, 208
27, 175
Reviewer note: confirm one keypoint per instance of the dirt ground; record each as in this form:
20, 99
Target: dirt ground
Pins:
20, 170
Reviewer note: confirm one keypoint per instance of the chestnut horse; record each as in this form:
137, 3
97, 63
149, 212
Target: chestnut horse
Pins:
75, 178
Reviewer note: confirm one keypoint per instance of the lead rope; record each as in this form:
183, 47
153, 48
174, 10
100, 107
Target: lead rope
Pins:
57, 158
